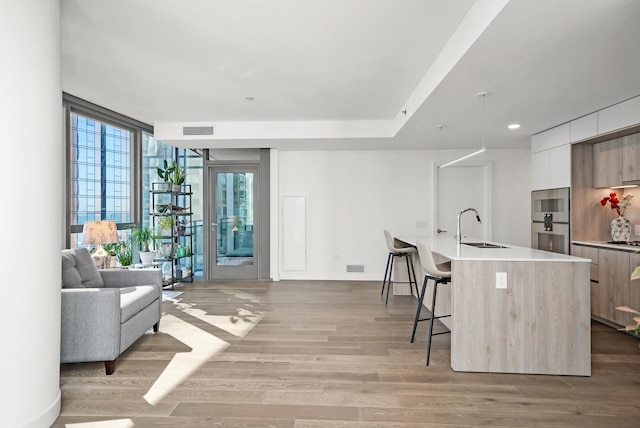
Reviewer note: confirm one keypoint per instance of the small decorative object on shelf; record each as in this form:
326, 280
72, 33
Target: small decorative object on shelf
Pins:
620, 227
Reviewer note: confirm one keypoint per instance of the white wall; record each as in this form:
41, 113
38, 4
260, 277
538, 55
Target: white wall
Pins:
353, 195
31, 240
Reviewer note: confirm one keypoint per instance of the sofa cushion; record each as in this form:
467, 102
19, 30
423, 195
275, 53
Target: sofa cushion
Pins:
79, 271
134, 299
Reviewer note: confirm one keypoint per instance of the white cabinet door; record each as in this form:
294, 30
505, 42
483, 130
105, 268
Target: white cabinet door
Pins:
619, 116
560, 167
540, 170
584, 127
551, 168
554, 137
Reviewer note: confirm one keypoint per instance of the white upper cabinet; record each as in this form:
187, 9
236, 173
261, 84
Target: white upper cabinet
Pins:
584, 127
619, 116
554, 137
551, 158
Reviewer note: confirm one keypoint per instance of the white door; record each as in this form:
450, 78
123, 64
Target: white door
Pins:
458, 188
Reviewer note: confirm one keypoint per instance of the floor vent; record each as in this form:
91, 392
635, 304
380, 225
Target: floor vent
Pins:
197, 130
355, 268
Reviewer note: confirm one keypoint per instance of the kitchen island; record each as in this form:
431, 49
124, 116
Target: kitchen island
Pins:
539, 324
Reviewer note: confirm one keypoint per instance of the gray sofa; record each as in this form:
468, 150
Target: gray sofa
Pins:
105, 311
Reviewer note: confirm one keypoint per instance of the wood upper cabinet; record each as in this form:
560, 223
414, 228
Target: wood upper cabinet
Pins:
607, 163
631, 158
613, 286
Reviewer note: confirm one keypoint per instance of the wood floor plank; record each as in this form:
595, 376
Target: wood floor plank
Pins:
331, 354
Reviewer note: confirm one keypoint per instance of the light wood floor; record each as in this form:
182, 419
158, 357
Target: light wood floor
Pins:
331, 354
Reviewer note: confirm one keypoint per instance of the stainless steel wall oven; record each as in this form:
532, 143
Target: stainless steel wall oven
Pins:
550, 220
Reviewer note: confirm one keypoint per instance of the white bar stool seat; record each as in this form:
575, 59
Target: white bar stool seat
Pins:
398, 248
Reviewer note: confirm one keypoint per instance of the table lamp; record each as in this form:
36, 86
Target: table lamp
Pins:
98, 233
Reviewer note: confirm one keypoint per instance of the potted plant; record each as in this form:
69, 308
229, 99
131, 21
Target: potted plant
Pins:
112, 250
165, 172
177, 176
124, 253
166, 224
143, 237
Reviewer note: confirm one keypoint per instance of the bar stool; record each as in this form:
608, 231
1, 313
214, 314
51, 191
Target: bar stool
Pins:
398, 248
440, 274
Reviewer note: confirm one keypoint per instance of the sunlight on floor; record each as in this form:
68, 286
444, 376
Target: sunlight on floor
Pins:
203, 347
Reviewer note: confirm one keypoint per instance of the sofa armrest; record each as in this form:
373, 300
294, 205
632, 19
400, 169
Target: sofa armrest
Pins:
90, 324
130, 277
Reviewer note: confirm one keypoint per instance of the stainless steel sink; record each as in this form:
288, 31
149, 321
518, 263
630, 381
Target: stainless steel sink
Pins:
484, 245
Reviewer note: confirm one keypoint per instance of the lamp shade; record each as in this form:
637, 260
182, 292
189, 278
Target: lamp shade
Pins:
99, 232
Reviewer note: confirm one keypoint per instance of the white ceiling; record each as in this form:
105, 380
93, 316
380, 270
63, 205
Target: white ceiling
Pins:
337, 74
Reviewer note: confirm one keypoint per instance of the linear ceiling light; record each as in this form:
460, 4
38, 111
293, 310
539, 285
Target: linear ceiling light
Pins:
483, 95
463, 157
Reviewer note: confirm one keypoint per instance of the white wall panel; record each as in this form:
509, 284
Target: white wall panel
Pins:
294, 233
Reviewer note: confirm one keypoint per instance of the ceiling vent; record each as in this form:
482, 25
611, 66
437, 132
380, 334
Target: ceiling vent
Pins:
197, 130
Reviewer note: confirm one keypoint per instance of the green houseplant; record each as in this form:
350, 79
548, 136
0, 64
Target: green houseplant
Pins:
144, 237
177, 176
166, 224
165, 172
124, 253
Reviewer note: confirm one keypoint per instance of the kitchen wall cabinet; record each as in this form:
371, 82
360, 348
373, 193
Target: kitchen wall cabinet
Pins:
617, 162
607, 163
631, 158
619, 116
551, 168
554, 137
584, 127
551, 158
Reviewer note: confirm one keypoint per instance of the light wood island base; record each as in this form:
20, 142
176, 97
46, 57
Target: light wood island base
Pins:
539, 324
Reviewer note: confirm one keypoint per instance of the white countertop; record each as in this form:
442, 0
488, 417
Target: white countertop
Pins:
449, 248
604, 244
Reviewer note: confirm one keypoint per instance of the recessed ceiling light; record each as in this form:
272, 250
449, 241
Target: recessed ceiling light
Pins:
249, 98
514, 126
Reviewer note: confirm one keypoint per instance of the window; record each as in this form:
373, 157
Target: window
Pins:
100, 170
103, 179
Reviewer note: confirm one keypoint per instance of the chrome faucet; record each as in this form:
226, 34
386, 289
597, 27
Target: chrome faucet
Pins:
459, 234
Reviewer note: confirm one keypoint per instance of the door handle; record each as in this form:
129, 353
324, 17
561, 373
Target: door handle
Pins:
440, 230
213, 226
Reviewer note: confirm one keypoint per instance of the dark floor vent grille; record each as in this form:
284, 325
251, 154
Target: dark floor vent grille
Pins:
197, 130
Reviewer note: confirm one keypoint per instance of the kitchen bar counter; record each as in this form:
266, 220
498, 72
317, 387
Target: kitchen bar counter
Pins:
540, 323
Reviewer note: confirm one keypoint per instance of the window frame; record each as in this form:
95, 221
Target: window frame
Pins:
73, 105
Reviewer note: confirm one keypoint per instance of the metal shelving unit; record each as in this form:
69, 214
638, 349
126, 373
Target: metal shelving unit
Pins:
176, 247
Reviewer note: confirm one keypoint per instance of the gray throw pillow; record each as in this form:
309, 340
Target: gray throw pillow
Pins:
79, 271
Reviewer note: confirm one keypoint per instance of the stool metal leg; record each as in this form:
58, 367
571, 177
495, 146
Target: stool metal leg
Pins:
393, 256
433, 317
386, 271
411, 281
419, 309
415, 280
